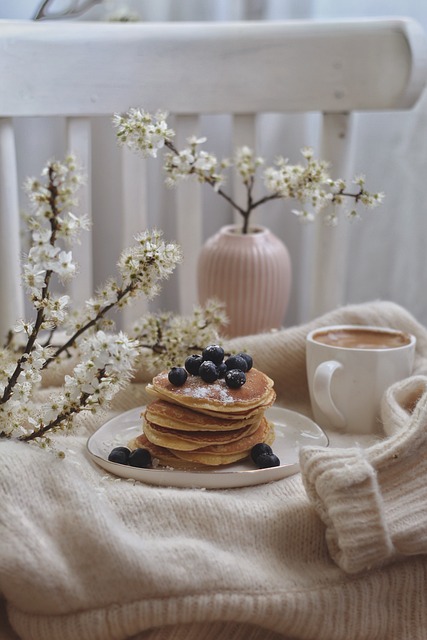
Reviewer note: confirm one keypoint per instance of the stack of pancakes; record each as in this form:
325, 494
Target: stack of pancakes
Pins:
201, 424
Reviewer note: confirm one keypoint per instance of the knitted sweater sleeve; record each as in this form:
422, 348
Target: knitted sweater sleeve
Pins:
374, 501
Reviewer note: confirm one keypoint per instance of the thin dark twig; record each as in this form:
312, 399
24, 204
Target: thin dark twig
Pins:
53, 190
62, 416
73, 11
210, 181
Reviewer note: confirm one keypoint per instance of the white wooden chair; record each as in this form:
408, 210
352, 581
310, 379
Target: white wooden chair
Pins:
80, 70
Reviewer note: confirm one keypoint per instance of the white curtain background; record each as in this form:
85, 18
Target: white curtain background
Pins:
387, 248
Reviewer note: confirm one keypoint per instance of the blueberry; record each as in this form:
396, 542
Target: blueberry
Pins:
260, 448
177, 376
234, 378
236, 362
192, 364
267, 460
120, 455
140, 458
248, 358
208, 371
222, 369
214, 353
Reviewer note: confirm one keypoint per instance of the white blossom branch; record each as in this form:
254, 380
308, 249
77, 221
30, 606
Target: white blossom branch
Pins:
106, 361
309, 184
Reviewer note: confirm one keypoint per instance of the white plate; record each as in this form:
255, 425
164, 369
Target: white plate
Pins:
292, 430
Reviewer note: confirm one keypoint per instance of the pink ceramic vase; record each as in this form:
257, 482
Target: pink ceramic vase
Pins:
251, 274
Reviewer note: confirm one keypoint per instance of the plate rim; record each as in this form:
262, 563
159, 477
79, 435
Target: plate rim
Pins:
201, 473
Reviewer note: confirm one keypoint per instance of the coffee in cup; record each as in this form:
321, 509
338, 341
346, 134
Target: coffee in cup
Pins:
349, 367
362, 338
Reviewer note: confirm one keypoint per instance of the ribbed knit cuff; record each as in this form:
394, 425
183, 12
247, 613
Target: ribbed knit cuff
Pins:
373, 501
343, 488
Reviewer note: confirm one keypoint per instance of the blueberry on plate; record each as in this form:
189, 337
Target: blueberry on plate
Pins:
248, 358
258, 449
120, 455
267, 460
140, 458
234, 378
214, 353
208, 371
192, 364
177, 376
236, 362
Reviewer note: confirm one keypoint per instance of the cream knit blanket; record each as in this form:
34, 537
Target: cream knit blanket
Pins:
334, 553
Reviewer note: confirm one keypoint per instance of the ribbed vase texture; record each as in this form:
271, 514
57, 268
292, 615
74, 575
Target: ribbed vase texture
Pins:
251, 274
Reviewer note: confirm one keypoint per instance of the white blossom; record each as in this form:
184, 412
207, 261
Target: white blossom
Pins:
33, 278
21, 325
42, 236
246, 162
123, 14
70, 226
36, 358
148, 261
64, 265
43, 255
143, 132
55, 309
194, 140
205, 161
179, 167
303, 215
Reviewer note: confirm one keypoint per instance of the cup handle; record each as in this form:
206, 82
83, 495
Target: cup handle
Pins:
322, 392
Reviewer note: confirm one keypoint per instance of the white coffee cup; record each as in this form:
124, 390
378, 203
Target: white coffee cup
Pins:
349, 367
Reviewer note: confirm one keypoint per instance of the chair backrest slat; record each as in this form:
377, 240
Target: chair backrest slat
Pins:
11, 294
133, 216
78, 132
327, 267
189, 220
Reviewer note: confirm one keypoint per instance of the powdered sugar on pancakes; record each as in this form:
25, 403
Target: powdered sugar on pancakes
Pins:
218, 390
197, 392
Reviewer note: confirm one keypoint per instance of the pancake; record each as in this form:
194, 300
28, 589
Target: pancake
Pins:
206, 457
251, 414
167, 414
217, 454
163, 456
191, 440
217, 396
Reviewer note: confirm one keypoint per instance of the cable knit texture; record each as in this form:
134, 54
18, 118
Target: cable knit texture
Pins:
335, 553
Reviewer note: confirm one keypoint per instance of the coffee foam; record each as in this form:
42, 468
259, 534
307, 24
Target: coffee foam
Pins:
361, 338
